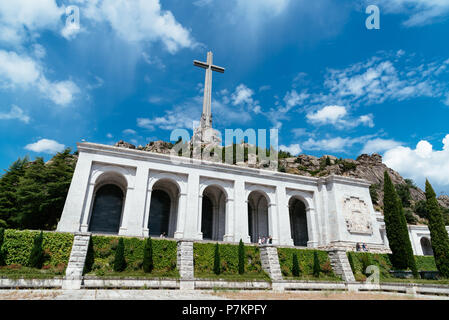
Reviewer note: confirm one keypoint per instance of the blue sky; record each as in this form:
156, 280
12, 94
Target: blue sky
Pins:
309, 68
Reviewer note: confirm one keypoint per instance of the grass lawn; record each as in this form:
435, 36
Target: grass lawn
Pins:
135, 274
234, 277
323, 278
19, 272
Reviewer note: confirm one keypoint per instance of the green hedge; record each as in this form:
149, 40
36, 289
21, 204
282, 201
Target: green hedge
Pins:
164, 256
423, 263
305, 259
18, 246
203, 256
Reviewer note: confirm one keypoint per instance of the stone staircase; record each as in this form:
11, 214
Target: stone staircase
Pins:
340, 264
270, 261
185, 259
75, 267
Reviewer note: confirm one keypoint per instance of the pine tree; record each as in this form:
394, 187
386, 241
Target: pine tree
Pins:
36, 259
396, 227
217, 263
295, 266
316, 265
119, 259
148, 256
241, 257
2, 255
438, 234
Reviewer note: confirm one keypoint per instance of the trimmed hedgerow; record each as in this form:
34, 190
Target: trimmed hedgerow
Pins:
306, 263
18, 245
103, 251
203, 254
361, 259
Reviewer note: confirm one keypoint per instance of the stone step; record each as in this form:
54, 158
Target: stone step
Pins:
75, 267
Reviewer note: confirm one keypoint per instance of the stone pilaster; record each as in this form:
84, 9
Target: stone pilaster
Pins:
270, 261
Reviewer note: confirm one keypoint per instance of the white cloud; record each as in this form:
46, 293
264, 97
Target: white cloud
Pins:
20, 19
109, 136
45, 146
22, 71
293, 149
15, 113
422, 12
421, 163
338, 117
139, 21
129, 131
379, 145
244, 96
336, 144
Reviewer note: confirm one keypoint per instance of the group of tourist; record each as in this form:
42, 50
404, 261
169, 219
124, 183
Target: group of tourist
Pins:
265, 240
361, 247
163, 235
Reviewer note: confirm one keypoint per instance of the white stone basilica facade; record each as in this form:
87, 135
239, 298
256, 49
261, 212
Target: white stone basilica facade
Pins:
137, 193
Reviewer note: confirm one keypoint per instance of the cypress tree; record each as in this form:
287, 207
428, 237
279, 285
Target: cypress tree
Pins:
119, 259
217, 268
36, 259
90, 258
438, 234
316, 265
148, 256
396, 227
241, 257
351, 262
295, 266
2, 255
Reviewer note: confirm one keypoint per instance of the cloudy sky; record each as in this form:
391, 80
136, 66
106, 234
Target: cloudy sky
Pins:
309, 68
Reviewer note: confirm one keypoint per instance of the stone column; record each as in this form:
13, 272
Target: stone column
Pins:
229, 222
146, 216
285, 236
180, 225
127, 214
240, 212
312, 228
76, 197
192, 207
273, 222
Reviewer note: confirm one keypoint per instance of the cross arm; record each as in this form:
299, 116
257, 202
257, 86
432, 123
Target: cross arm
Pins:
206, 66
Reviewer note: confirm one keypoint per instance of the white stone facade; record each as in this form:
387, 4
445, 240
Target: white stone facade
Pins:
338, 210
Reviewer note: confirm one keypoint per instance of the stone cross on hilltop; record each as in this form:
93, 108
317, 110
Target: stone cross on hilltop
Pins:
206, 117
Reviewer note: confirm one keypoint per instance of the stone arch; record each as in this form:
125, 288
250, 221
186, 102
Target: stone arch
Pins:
178, 180
298, 221
258, 215
99, 174
109, 194
164, 204
426, 246
213, 212
268, 192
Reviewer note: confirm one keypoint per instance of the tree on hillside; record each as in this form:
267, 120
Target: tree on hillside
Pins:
403, 192
438, 234
9, 207
396, 227
32, 194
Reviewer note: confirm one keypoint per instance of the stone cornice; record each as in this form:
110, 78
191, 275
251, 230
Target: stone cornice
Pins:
96, 148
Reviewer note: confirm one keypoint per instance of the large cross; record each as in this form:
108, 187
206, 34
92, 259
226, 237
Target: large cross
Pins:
206, 117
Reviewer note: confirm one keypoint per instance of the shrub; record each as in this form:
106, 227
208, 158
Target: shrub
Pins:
327, 267
366, 261
316, 265
241, 257
148, 256
119, 260
438, 234
2, 256
217, 265
37, 253
295, 266
409, 217
396, 227
90, 258
351, 262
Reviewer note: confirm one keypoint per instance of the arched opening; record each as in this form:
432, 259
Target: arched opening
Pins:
107, 209
426, 246
163, 208
213, 214
298, 222
257, 216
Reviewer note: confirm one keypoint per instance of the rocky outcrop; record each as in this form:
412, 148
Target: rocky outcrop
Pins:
368, 167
